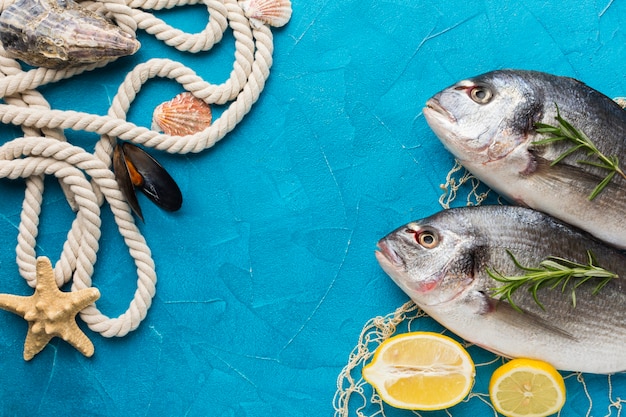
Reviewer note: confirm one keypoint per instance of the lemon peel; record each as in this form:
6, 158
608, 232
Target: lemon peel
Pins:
527, 388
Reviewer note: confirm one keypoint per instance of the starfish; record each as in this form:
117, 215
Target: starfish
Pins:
51, 312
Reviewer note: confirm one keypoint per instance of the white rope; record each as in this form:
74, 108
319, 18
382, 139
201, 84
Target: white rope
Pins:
44, 151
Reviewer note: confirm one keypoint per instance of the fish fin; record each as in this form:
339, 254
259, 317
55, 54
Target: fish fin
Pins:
564, 174
485, 304
518, 318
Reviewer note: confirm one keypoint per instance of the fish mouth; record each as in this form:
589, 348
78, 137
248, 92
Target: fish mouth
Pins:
394, 266
388, 255
435, 110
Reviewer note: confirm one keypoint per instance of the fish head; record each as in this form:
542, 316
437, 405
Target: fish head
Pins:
429, 261
486, 118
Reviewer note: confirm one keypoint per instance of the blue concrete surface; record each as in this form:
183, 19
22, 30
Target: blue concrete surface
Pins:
267, 274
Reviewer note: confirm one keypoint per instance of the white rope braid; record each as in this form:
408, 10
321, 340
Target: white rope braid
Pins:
43, 149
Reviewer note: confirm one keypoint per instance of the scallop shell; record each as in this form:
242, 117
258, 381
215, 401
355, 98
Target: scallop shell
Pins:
183, 115
273, 12
61, 33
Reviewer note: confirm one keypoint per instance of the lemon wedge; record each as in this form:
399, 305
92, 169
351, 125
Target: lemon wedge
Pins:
527, 388
421, 371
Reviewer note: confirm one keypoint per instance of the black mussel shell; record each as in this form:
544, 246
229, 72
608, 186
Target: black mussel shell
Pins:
122, 175
134, 168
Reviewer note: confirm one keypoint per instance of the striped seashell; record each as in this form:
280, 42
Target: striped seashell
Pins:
184, 115
61, 33
272, 12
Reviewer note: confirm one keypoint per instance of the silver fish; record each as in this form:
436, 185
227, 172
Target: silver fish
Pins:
61, 33
441, 263
488, 123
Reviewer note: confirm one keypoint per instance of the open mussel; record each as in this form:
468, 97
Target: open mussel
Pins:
134, 168
61, 33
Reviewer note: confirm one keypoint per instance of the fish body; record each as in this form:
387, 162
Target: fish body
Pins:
488, 124
441, 262
61, 33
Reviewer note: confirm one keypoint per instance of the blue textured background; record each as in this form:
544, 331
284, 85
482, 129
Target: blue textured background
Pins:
267, 274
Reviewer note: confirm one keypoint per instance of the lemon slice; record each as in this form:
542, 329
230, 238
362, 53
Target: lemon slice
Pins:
421, 371
527, 388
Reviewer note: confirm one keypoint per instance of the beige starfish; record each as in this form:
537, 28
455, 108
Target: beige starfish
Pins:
51, 312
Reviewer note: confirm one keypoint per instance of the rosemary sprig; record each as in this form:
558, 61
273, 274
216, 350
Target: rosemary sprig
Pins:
565, 131
552, 272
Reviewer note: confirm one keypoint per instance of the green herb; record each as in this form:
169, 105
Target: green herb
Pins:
552, 272
565, 131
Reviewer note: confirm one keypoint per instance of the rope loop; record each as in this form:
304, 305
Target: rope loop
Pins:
86, 178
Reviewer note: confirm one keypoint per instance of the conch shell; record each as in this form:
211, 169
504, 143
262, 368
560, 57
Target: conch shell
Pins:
61, 33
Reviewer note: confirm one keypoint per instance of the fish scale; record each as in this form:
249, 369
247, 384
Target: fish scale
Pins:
450, 283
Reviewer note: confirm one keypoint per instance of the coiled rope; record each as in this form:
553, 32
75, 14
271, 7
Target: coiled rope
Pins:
43, 150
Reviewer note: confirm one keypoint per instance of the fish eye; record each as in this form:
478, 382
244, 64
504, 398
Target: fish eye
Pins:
427, 238
480, 94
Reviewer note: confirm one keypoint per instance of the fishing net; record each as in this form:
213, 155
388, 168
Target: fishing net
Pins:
457, 179
86, 177
356, 395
